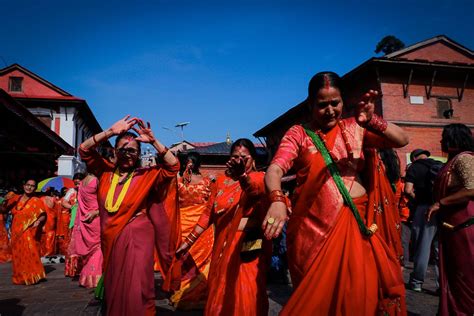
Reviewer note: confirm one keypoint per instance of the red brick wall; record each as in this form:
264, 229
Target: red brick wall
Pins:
438, 52
395, 107
31, 87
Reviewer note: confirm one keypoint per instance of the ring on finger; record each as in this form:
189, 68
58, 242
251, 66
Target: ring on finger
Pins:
271, 220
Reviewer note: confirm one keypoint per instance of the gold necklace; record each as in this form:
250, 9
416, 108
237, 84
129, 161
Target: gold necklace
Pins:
109, 205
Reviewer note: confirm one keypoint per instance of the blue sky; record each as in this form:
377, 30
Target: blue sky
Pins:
224, 66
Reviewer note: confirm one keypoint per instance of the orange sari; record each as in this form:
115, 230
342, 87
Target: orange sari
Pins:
240, 258
5, 249
193, 200
48, 237
26, 261
334, 268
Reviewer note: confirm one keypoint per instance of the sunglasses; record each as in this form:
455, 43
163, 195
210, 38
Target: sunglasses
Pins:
128, 151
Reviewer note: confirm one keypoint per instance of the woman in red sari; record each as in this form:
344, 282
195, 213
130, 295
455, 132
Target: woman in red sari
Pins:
48, 237
28, 214
125, 194
454, 189
338, 261
194, 191
5, 249
240, 257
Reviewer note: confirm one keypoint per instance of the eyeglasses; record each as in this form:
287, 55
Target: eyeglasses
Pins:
127, 151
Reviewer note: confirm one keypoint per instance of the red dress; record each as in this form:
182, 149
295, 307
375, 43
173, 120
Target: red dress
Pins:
334, 268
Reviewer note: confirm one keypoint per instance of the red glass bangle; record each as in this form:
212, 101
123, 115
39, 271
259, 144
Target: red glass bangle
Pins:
377, 124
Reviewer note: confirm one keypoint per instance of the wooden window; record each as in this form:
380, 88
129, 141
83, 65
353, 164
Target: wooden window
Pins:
444, 108
15, 84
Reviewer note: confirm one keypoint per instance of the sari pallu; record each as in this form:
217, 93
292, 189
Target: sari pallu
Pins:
127, 236
334, 268
237, 277
456, 247
26, 261
195, 266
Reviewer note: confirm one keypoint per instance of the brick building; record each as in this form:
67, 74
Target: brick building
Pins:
424, 87
68, 116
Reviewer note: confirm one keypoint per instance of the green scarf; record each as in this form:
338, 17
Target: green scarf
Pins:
340, 183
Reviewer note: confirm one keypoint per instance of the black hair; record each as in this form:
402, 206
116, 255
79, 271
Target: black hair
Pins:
128, 134
457, 138
194, 157
245, 143
28, 178
79, 176
392, 164
321, 80
63, 191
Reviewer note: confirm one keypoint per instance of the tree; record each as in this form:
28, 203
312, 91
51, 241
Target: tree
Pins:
389, 44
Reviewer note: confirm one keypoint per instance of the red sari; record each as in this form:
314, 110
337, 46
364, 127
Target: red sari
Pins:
63, 233
128, 235
26, 260
48, 237
240, 258
334, 268
456, 246
193, 200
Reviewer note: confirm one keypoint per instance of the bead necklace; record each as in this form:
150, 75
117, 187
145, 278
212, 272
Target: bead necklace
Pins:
109, 205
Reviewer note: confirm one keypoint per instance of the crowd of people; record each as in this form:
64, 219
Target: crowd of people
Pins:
351, 221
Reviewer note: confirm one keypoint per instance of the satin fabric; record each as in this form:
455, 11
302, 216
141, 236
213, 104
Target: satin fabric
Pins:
86, 236
193, 200
48, 236
128, 235
456, 250
26, 260
237, 280
334, 268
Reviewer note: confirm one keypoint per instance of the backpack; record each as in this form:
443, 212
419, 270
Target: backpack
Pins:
434, 167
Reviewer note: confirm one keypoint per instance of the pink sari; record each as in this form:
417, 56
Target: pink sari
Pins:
86, 236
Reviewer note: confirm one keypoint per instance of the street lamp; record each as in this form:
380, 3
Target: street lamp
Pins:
182, 125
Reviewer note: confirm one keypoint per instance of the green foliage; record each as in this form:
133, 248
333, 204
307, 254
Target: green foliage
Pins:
389, 44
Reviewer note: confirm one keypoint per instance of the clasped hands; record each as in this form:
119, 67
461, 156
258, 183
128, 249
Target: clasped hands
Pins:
145, 134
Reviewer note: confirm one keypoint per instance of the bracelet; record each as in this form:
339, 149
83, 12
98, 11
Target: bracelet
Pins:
95, 140
377, 124
276, 193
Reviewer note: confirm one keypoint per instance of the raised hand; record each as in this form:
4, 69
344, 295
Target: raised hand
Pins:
145, 134
236, 166
366, 107
123, 125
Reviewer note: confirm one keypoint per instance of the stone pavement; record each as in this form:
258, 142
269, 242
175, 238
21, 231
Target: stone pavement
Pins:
62, 296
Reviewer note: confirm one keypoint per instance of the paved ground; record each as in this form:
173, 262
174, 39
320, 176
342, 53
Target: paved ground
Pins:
62, 296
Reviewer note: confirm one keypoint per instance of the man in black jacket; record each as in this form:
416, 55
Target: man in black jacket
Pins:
417, 186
